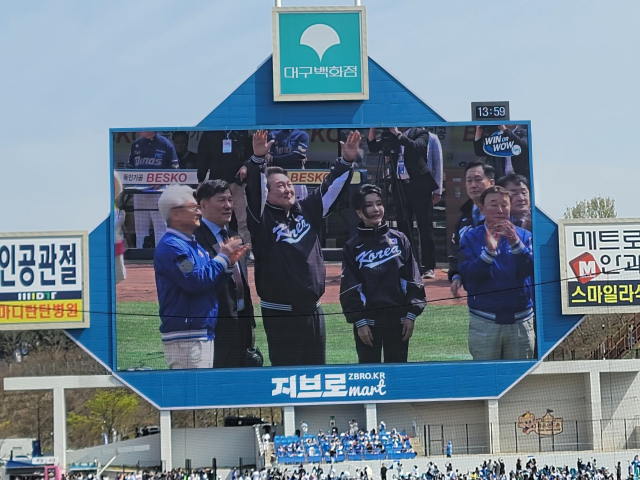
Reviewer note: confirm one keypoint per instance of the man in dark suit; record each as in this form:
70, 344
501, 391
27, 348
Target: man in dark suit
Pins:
419, 176
235, 328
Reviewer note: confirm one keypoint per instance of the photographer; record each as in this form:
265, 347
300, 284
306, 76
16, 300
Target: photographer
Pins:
418, 171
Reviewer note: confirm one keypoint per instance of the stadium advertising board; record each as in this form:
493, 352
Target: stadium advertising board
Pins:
370, 301
600, 265
320, 53
44, 280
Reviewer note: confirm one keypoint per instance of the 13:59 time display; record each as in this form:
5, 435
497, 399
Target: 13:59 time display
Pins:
491, 112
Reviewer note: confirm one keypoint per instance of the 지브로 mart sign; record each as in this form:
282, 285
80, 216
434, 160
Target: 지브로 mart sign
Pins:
44, 280
320, 53
600, 265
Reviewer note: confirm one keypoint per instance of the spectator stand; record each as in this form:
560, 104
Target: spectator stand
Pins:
397, 445
312, 448
289, 449
332, 449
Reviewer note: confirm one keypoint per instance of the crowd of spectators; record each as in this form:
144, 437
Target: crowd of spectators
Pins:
488, 470
354, 444
395, 470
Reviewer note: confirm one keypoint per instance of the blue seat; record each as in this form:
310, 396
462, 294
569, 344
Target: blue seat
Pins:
374, 456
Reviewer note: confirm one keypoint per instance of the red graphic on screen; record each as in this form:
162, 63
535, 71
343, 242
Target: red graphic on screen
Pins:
585, 267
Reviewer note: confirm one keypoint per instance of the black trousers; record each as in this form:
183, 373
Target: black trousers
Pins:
295, 338
233, 337
418, 204
387, 336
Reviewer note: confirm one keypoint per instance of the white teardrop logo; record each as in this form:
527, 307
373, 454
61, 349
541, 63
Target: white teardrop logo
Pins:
320, 37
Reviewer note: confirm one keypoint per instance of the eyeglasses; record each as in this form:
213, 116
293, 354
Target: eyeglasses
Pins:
192, 208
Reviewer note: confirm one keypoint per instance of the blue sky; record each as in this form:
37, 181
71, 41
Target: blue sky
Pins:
70, 70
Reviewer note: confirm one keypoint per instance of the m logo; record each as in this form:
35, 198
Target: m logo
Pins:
585, 267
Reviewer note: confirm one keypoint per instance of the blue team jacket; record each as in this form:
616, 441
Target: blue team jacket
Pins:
185, 279
500, 286
157, 152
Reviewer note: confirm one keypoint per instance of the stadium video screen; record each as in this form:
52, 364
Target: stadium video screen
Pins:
250, 249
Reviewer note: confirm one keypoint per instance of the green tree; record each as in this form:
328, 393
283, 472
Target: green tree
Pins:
597, 207
83, 430
114, 409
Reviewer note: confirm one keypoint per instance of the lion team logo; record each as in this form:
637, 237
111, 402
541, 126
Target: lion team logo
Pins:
546, 425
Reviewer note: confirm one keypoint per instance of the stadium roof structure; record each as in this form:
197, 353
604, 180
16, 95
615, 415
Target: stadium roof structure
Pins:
251, 106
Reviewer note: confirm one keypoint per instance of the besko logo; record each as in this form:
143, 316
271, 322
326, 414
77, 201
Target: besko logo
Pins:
320, 38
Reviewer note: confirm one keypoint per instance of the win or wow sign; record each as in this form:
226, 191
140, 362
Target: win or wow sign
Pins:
319, 53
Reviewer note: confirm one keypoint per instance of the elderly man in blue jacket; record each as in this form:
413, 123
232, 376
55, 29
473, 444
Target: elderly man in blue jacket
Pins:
186, 277
496, 265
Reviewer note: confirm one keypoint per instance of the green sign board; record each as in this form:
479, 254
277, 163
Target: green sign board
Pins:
320, 53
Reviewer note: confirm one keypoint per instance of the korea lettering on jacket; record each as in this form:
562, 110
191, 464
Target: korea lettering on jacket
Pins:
380, 273
287, 247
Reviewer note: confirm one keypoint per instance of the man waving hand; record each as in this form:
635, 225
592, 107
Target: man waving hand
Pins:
290, 272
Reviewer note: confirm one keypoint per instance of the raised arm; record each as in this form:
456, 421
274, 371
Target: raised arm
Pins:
256, 189
323, 199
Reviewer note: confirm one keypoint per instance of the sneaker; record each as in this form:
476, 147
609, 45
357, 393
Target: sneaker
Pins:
429, 274
250, 257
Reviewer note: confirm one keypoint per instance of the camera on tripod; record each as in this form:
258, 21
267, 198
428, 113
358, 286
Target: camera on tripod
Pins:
388, 143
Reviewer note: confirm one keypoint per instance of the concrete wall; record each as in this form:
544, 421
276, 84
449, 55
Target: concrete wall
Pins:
129, 452
566, 395
201, 445
464, 423
318, 417
619, 393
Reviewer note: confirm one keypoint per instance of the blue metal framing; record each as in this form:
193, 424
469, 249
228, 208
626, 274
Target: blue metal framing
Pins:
251, 106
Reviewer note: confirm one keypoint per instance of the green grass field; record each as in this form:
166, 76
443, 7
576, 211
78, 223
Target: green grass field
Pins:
440, 335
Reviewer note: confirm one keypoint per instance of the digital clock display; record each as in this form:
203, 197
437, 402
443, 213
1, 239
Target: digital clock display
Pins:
489, 111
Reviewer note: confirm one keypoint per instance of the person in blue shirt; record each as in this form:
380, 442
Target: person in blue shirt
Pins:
496, 266
289, 151
150, 152
186, 277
